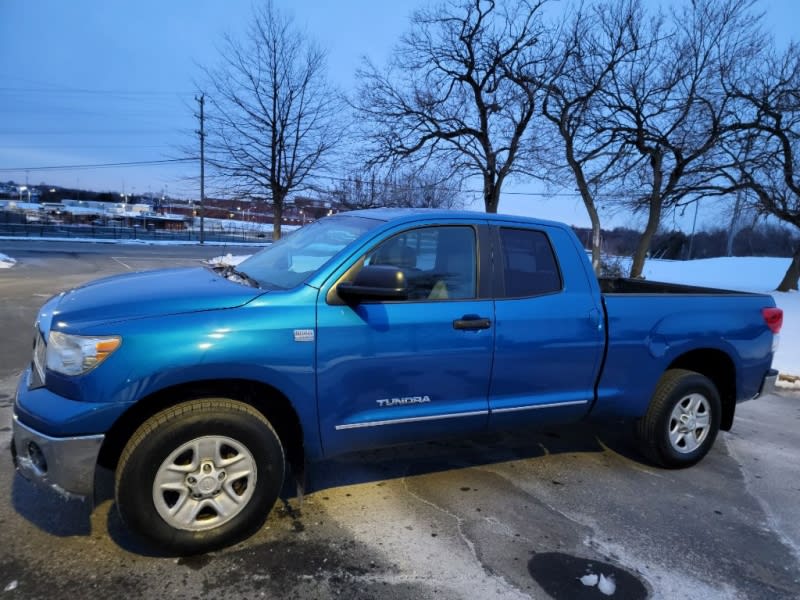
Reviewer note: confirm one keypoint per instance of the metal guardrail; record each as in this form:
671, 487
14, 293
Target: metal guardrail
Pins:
104, 232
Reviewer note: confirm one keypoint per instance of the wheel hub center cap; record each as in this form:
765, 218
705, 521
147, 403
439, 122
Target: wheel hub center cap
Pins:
207, 485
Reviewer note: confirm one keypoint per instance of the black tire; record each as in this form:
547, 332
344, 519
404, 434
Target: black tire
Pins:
240, 435
661, 435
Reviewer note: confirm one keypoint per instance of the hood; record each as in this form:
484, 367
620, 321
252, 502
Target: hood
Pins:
148, 294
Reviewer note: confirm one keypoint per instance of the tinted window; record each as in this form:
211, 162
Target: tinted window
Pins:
529, 266
439, 262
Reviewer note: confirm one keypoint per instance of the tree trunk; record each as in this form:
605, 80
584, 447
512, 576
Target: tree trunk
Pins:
491, 193
643, 247
277, 213
790, 279
595, 238
588, 202
653, 217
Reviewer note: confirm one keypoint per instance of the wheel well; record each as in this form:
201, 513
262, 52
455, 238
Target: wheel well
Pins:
719, 368
274, 405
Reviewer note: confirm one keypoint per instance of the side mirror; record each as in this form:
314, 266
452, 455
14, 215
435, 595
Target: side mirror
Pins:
375, 282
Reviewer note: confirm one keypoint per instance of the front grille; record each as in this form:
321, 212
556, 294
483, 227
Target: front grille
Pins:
39, 360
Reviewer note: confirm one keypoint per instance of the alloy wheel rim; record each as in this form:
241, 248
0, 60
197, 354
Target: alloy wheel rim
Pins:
204, 483
689, 423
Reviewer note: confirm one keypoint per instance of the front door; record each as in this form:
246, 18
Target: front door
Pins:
390, 372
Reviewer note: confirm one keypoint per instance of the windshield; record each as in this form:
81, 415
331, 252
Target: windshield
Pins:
294, 258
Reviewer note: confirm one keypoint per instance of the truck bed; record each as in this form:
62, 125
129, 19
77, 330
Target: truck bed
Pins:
622, 285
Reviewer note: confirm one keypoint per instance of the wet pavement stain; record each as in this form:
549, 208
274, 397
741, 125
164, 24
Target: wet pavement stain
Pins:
195, 562
291, 568
560, 576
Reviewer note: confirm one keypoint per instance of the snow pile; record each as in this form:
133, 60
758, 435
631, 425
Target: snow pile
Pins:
227, 260
6, 262
745, 273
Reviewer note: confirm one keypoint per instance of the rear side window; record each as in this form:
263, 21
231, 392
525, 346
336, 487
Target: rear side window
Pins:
529, 265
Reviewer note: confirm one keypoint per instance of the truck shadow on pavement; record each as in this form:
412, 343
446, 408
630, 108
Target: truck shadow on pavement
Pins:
482, 450
66, 517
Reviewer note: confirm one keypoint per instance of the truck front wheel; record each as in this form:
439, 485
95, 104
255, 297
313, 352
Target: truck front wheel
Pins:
200, 475
682, 421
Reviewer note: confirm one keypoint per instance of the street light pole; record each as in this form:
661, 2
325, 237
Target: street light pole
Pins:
202, 101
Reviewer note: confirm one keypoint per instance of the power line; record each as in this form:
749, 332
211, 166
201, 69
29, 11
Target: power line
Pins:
94, 132
66, 90
100, 165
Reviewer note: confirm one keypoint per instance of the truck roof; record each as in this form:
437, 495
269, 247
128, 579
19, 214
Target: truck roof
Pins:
420, 214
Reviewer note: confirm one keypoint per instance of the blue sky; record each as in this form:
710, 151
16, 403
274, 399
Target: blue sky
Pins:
87, 82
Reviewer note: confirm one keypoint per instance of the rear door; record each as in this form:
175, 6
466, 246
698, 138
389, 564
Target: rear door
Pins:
390, 372
549, 332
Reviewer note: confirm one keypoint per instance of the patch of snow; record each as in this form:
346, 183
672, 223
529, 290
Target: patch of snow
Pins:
228, 260
11, 586
744, 273
787, 356
607, 585
234, 225
785, 384
135, 242
6, 262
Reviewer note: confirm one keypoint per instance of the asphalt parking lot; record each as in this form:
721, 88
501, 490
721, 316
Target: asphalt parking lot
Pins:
523, 515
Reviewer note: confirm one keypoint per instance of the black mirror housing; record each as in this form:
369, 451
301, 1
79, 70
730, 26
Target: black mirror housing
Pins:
375, 282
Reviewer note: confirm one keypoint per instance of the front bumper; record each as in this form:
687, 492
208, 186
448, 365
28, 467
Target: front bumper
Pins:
65, 463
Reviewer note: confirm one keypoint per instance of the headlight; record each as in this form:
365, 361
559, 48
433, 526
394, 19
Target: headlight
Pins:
77, 354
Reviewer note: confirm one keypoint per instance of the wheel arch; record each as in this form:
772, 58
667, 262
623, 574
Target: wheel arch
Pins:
720, 369
268, 400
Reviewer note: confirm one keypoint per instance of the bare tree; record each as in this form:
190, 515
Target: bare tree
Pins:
407, 188
460, 90
593, 44
763, 145
273, 118
666, 103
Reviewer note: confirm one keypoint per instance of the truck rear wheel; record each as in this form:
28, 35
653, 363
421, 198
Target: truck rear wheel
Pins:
682, 421
200, 475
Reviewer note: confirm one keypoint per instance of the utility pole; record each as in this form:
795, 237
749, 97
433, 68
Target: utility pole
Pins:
202, 101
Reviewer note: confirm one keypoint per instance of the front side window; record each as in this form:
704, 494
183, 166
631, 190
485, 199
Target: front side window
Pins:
529, 265
439, 262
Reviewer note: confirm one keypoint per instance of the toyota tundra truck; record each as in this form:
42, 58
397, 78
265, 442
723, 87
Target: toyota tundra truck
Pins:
200, 387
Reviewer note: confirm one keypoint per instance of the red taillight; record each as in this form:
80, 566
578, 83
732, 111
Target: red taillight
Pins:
773, 317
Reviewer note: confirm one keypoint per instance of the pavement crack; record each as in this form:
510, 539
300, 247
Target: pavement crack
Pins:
750, 487
462, 534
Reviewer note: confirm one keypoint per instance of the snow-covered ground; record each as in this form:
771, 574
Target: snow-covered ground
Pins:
6, 262
238, 226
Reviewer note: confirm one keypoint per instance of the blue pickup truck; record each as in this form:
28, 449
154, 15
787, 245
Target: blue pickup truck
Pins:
199, 386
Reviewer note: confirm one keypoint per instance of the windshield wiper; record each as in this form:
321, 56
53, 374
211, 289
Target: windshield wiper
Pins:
228, 271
